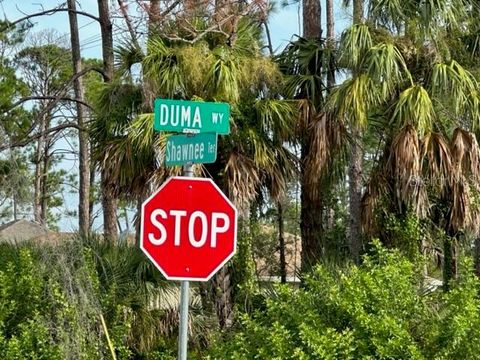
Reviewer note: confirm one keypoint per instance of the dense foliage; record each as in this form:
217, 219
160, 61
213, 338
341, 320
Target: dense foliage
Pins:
77, 300
383, 309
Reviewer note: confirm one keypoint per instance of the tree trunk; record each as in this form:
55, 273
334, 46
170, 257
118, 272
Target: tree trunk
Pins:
269, 37
140, 200
154, 15
311, 226
281, 243
355, 194
355, 170
84, 160
223, 287
37, 207
107, 39
45, 190
15, 207
450, 252
358, 11
330, 212
123, 9
311, 210
109, 206
37, 192
109, 202
44, 171
330, 45
312, 28
91, 201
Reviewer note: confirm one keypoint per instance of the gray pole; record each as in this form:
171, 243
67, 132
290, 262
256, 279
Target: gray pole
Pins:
183, 329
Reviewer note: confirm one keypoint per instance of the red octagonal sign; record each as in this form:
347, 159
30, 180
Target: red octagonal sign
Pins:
189, 228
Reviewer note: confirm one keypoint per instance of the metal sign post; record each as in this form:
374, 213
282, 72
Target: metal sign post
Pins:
183, 328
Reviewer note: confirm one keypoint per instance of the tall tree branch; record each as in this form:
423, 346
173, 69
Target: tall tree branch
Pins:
49, 97
29, 139
56, 98
128, 21
49, 12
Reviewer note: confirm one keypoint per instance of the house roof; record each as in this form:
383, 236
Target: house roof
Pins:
22, 230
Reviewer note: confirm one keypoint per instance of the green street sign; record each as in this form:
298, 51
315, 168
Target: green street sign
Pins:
192, 116
195, 149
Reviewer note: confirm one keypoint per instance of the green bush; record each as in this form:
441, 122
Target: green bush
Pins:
24, 332
375, 311
52, 300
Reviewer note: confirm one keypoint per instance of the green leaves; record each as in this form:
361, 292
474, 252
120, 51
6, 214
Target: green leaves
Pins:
414, 107
354, 43
303, 63
162, 67
386, 66
375, 311
354, 98
224, 77
453, 81
419, 18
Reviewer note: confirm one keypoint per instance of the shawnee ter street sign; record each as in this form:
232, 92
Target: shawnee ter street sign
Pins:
191, 116
194, 149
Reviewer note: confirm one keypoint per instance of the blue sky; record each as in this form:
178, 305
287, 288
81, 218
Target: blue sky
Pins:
284, 22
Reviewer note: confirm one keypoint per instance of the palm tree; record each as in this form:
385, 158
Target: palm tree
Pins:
214, 69
125, 169
416, 97
305, 63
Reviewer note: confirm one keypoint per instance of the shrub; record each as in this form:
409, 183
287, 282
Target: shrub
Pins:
375, 311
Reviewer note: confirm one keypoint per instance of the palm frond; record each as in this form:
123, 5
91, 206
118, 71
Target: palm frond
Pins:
391, 12
259, 73
414, 107
460, 212
377, 187
263, 154
161, 66
328, 141
466, 177
354, 43
386, 66
465, 154
278, 117
406, 171
353, 99
141, 133
473, 110
283, 169
425, 17
437, 163
303, 63
127, 54
224, 77
129, 167
195, 62
248, 40
452, 81
241, 179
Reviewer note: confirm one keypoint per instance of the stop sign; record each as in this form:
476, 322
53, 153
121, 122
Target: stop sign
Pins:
188, 228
